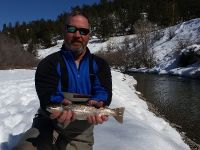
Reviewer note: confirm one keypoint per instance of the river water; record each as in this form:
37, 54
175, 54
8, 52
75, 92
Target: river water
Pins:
177, 98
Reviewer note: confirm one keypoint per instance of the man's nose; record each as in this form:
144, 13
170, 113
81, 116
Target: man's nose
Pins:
77, 34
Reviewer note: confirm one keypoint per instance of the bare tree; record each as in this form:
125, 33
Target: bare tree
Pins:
146, 32
12, 54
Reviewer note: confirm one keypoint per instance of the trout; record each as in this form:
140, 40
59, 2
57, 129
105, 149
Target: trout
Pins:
81, 112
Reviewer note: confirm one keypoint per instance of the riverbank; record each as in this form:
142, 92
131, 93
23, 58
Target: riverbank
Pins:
140, 130
193, 145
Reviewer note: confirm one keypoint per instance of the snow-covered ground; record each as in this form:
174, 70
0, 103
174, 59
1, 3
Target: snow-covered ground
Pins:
141, 129
173, 42
183, 38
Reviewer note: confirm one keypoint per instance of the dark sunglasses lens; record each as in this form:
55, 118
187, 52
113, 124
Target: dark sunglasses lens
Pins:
84, 31
71, 29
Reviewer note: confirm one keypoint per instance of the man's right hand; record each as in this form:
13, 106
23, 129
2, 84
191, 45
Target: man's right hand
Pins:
65, 116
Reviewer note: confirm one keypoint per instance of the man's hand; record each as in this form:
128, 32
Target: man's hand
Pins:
95, 103
65, 116
96, 119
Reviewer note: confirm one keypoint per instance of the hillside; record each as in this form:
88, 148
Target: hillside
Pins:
177, 51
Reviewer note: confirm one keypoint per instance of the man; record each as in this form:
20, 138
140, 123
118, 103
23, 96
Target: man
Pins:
73, 70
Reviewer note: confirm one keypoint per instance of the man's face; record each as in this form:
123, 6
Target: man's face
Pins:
76, 41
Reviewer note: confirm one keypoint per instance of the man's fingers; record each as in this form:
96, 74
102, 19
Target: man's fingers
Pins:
104, 118
92, 119
100, 104
92, 102
65, 117
62, 117
69, 116
97, 119
66, 102
95, 103
89, 119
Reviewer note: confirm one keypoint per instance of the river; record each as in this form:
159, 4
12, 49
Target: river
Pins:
177, 98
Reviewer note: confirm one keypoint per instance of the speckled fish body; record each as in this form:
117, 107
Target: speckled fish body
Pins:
81, 112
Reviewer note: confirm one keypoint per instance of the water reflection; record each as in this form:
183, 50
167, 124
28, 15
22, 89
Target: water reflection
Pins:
176, 98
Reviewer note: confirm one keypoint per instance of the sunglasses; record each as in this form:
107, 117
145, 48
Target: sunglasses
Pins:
72, 29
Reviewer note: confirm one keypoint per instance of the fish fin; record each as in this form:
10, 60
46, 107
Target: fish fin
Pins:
119, 114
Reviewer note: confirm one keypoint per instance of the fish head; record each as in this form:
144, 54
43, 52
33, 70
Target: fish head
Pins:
54, 108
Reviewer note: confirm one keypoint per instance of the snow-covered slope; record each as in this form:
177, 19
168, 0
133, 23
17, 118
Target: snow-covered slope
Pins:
177, 37
141, 129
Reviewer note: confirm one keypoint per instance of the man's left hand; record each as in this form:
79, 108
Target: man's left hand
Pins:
97, 118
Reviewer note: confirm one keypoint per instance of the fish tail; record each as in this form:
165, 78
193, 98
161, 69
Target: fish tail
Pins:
119, 113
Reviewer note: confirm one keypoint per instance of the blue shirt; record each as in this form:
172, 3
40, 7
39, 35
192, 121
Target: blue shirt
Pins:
79, 79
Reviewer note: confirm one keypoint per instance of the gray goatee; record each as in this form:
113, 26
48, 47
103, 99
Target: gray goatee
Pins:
76, 52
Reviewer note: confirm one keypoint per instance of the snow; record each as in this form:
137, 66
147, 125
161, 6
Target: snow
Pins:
45, 52
176, 40
186, 33
141, 129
